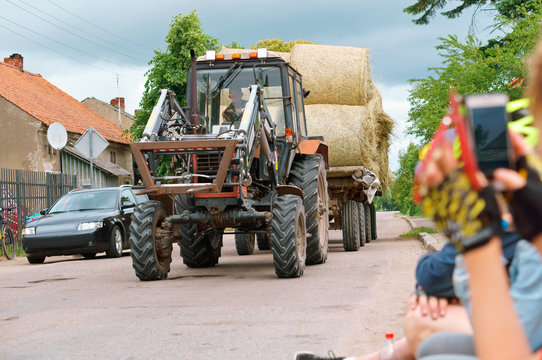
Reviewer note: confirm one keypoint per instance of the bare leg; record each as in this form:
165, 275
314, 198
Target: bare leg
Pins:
419, 327
401, 346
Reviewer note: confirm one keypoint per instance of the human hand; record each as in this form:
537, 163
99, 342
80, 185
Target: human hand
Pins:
523, 188
432, 305
468, 217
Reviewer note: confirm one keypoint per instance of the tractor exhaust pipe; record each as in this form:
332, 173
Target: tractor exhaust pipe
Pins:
194, 109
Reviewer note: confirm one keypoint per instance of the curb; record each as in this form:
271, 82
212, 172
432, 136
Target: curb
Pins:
429, 242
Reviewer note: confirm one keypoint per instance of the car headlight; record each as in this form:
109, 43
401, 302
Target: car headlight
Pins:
29, 231
90, 225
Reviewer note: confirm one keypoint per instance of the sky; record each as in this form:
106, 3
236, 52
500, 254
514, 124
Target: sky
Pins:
102, 48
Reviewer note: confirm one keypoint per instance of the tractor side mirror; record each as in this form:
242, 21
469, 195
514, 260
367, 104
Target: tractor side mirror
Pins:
306, 93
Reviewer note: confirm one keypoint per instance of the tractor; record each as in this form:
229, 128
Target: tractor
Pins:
238, 160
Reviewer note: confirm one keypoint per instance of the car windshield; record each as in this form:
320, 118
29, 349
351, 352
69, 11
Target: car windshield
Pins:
95, 200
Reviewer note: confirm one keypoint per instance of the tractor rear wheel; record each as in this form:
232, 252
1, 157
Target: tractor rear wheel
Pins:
197, 250
264, 241
351, 225
151, 254
244, 244
288, 237
309, 174
368, 223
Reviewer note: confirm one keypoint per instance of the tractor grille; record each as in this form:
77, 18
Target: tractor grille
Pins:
208, 163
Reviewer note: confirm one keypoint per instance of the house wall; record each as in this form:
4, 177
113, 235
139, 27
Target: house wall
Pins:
24, 144
23, 141
109, 112
122, 155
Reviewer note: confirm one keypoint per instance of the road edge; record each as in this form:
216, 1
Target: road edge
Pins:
429, 242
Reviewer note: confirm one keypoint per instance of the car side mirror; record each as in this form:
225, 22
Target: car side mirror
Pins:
127, 204
43, 212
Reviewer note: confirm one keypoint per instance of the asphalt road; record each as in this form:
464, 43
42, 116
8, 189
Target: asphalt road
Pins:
75, 308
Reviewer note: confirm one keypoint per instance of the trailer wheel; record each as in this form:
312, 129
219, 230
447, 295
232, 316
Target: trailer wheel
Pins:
288, 237
309, 173
244, 244
368, 223
373, 222
362, 225
264, 241
197, 250
151, 256
351, 225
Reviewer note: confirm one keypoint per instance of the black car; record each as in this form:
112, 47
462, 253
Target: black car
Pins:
83, 222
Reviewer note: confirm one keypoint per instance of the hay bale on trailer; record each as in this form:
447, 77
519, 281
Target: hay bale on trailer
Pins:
334, 74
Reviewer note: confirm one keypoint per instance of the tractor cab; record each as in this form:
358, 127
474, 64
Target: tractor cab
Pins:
224, 85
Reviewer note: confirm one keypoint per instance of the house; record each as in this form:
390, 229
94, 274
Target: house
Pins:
29, 104
111, 111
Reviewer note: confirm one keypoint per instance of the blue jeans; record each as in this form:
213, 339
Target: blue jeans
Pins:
525, 289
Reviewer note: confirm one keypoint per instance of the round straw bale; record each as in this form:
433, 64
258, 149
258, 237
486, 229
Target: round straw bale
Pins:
351, 141
334, 74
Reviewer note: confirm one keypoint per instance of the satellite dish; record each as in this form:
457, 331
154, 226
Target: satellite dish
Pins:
57, 136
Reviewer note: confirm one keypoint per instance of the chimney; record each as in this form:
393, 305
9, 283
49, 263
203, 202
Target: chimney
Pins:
15, 60
115, 102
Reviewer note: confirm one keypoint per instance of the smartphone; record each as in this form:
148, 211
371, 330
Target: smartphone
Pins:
488, 122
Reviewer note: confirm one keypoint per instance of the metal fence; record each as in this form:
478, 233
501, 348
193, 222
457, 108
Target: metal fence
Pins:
28, 192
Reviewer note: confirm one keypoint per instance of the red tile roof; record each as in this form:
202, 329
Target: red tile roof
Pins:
48, 104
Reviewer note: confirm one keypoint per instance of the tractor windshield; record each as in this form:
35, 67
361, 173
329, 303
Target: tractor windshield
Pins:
223, 94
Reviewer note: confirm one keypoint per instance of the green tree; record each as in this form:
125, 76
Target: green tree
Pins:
278, 45
234, 45
170, 67
401, 189
385, 202
429, 8
468, 67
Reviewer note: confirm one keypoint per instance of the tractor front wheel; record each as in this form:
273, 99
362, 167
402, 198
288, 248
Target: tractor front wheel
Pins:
289, 243
151, 253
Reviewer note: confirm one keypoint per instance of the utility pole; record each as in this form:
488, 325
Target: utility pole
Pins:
118, 100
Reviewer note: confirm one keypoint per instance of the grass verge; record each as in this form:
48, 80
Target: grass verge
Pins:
414, 233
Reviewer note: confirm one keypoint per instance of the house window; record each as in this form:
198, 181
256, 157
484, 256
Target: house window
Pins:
113, 157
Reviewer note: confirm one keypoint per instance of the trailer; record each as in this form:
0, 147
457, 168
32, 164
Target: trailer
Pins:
351, 192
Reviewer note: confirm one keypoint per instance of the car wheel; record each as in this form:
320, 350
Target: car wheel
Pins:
36, 259
115, 242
